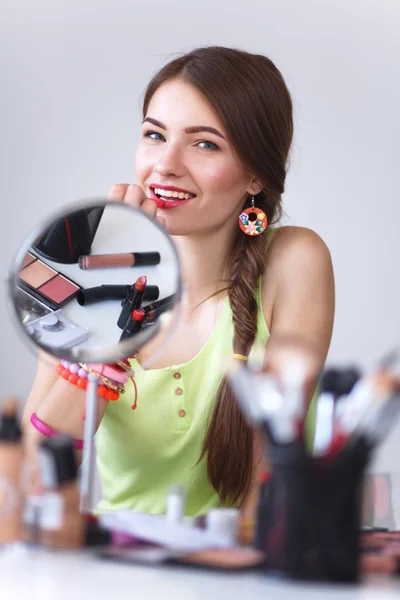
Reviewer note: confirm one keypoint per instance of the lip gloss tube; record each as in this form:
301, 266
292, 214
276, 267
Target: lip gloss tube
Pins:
128, 259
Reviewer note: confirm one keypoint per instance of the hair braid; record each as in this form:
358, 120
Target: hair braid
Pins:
247, 265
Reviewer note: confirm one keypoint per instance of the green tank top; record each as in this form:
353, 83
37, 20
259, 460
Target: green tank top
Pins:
142, 452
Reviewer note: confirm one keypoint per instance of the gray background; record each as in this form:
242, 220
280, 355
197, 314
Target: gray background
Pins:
72, 75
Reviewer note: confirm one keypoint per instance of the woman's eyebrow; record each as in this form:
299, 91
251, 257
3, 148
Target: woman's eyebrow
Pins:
194, 129
206, 128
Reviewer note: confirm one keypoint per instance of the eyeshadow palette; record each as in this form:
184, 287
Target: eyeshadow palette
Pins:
45, 284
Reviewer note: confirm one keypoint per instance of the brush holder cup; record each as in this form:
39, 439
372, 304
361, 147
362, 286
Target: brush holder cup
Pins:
309, 523
70, 237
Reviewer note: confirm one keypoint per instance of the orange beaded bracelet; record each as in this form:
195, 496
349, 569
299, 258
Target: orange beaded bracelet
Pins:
80, 380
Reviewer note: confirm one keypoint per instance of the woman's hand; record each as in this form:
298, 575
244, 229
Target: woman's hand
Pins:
134, 195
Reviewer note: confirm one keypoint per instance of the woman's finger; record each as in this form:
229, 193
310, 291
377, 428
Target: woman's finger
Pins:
117, 192
134, 195
149, 207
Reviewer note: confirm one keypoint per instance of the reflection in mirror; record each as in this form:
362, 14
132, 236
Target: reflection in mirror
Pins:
96, 283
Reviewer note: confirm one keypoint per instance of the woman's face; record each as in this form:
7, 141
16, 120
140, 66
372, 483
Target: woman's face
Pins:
184, 150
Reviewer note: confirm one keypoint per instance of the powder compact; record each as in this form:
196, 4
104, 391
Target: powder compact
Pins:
45, 284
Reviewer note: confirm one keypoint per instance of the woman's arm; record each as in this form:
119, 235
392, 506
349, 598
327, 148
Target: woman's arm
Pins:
298, 298
56, 402
299, 295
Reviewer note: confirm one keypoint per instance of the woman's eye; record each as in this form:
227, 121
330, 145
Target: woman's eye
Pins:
154, 135
208, 145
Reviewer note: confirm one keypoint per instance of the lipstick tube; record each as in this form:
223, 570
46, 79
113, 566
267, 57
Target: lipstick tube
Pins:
132, 301
133, 325
113, 292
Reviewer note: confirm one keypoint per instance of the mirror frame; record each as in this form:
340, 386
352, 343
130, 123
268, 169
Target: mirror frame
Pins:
120, 350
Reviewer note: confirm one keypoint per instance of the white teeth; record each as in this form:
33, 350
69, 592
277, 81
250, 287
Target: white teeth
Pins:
171, 194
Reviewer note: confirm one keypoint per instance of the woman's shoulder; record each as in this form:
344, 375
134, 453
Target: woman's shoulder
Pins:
290, 245
286, 234
297, 256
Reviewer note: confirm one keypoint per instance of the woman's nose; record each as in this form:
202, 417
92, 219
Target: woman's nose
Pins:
170, 163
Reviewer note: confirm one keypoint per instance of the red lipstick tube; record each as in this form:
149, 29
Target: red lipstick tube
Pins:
133, 300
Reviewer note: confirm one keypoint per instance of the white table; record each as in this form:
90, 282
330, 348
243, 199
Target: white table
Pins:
41, 575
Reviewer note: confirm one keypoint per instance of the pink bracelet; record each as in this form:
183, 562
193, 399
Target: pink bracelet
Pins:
110, 372
49, 431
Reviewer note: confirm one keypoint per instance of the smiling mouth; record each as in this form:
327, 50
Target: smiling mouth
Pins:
172, 195
166, 198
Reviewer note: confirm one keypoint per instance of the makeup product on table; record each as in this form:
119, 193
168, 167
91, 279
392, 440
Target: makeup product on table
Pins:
373, 564
157, 308
369, 413
378, 505
113, 292
61, 523
158, 530
335, 385
176, 499
309, 517
70, 237
262, 509
56, 331
132, 301
223, 522
47, 285
128, 259
133, 325
11, 461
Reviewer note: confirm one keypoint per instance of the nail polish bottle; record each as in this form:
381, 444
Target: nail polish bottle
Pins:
11, 461
61, 523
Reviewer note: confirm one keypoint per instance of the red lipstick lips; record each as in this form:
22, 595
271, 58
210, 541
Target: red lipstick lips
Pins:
167, 203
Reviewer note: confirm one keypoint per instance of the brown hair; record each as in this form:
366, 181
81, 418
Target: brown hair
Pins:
251, 100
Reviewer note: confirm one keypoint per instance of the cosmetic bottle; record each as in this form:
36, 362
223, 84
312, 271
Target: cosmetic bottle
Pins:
176, 499
223, 522
61, 523
11, 461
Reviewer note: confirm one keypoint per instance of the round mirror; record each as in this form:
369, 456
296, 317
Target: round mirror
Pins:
95, 282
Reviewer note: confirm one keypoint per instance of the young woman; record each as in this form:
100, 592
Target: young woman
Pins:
216, 134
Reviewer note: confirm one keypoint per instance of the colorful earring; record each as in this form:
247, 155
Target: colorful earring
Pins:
253, 220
